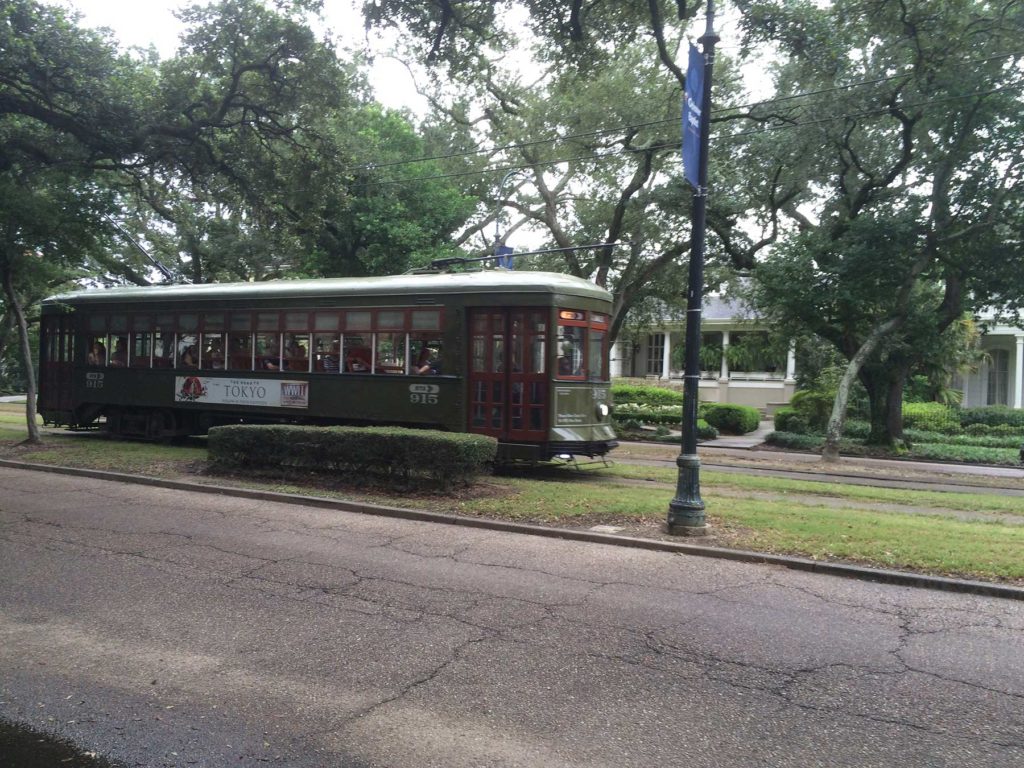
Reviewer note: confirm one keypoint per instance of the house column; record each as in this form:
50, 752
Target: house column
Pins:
1018, 378
791, 363
724, 373
615, 360
666, 361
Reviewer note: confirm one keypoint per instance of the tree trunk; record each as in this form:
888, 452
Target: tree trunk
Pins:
834, 431
26, 354
877, 389
894, 405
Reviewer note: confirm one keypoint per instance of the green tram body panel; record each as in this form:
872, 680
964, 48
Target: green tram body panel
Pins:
575, 423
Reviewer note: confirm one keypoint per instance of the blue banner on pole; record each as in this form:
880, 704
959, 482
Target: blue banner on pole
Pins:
504, 254
691, 116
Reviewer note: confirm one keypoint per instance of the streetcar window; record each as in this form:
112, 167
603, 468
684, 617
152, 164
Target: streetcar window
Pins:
538, 343
241, 321
268, 352
163, 347
187, 351
119, 345
214, 322
390, 320
296, 352
391, 353
296, 321
596, 355
188, 323
571, 350
425, 356
328, 352
267, 321
358, 321
479, 354
356, 354
211, 356
142, 349
239, 351
97, 350
516, 346
498, 353
119, 324
325, 321
97, 323
426, 319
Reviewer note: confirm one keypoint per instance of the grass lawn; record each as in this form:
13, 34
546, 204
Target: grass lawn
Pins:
761, 513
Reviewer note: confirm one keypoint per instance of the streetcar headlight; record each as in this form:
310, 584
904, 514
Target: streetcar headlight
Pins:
603, 410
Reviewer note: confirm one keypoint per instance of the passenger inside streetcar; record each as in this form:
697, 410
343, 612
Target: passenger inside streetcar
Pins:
120, 357
428, 361
98, 354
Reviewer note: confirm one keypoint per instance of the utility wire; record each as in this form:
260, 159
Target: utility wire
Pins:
648, 124
676, 144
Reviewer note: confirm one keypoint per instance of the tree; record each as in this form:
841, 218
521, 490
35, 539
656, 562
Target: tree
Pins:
47, 230
238, 158
590, 145
906, 150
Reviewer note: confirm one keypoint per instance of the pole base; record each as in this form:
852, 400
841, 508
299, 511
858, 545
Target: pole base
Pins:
689, 530
686, 510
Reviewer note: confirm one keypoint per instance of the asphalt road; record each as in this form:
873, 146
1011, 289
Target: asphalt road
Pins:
162, 628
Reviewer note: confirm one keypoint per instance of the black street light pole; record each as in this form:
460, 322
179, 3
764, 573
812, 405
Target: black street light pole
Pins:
686, 510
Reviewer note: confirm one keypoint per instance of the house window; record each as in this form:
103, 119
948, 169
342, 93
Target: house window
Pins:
998, 377
655, 354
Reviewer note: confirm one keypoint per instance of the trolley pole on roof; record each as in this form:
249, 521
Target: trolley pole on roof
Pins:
686, 510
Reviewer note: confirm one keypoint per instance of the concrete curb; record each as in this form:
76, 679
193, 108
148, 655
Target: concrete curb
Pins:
899, 578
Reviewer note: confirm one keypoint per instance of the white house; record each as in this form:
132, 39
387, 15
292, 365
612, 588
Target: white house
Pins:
999, 380
763, 384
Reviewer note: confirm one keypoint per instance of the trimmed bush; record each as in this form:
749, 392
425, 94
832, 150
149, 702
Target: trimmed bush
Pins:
857, 429
794, 441
814, 405
931, 417
634, 393
966, 453
916, 436
1000, 430
649, 414
993, 416
730, 418
705, 431
791, 420
394, 456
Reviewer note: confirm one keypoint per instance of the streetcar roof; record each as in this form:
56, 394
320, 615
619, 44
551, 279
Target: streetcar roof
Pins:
485, 281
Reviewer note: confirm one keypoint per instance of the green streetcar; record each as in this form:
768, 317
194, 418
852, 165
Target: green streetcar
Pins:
521, 356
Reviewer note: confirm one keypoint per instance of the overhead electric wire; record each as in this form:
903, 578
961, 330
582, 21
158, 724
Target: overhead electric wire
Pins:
676, 144
620, 129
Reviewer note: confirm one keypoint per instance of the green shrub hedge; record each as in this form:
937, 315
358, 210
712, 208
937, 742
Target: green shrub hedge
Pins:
966, 453
649, 414
993, 416
634, 393
931, 417
791, 420
917, 436
857, 429
393, 456
795, 441
730, 418
1001, 430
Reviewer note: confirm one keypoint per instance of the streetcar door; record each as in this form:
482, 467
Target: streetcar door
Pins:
508, 383
56, 363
